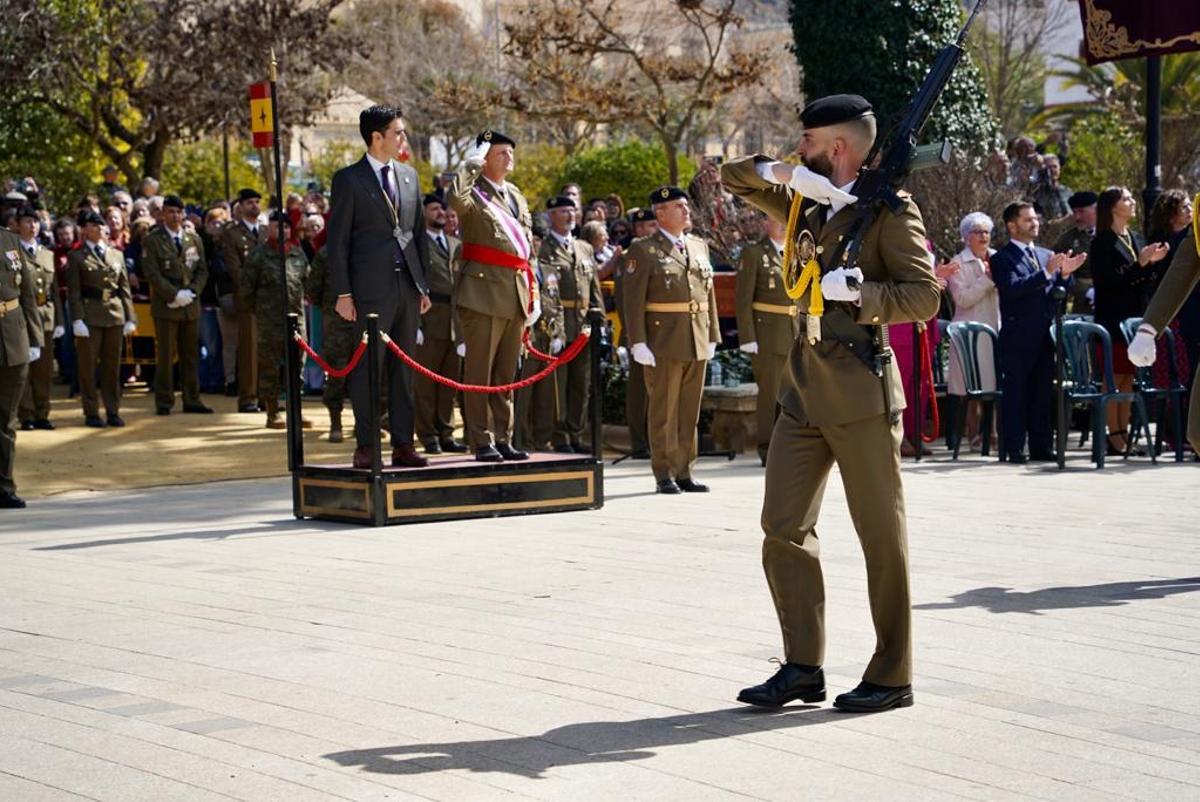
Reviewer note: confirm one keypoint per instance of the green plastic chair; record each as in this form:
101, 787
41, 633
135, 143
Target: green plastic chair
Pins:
964, 338
1169, 399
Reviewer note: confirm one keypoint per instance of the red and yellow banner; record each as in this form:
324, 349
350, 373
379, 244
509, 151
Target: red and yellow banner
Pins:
262, 117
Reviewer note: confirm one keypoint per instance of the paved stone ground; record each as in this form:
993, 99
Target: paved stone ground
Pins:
197, 643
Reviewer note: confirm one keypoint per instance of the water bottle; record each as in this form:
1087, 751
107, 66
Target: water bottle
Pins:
715, 379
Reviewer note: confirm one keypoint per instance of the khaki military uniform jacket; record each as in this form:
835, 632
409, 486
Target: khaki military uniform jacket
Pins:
438, 323
827, 383
169, 270
484, 288
578, 281
20, 322
237, 240
98, 289
656, 275
765, 313
1176, 285
45, 288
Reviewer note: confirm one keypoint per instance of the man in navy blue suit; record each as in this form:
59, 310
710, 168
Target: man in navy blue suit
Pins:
1025, 274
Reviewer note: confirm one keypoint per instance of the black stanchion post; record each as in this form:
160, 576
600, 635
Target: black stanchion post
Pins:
1059, 294
596, 403
373, 366
291, 361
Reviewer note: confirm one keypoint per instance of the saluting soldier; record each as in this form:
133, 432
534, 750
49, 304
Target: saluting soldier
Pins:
766, 321
35, 403
434, 402
1078, 239
573, 263
337, 341
644, 225
261, 294
238, 238
494, 294
671, 315
537, 404
834, 408
99, 296
174, 266
20, 343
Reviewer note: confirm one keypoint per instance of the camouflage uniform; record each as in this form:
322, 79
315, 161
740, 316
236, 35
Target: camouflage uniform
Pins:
259, 294
537, 404
337, 334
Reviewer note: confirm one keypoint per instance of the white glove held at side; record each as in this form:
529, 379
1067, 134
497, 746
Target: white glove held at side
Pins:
35, 353
835, 288
556, 345
533, 316
420, 337
80, 329
58, 332
461, 349
642, 355
1142, 350
130, 327
749, 348
712, 350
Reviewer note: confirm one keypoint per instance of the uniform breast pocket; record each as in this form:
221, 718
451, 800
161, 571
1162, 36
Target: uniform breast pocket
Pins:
668, 275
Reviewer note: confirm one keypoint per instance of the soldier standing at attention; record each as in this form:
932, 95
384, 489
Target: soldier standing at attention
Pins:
238, 238
337, 341
537, 404
35, 403
573, 263
495, 296
99, 296
834, 407
434, 403
261, 295
672, 321
644, 225
20, 344
766, 321
174, 267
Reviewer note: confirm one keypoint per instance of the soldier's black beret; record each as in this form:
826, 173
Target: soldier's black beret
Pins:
834, 109
89, 216
109, 168
494, 138
431, 198
275, 215
1082, 200
173, 202
560, 202
28, 210
248, 194
641, 216
664, 194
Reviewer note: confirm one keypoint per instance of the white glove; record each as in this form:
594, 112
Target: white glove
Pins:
1142, 350
817, 187
642, 355
58, 332
461, 349
834, 287
556, 345
1090, 295
129, 328
475, 153
749, 348
80, 329
712, 350
35, 353
184, 298
533, 316
420, 337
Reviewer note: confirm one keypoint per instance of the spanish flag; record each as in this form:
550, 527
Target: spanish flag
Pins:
262, 118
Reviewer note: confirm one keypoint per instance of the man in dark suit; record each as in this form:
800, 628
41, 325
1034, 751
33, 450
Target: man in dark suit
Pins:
377, 265
1025, 274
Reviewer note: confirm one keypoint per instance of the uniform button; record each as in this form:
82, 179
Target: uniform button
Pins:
875, 319
658, 323
820, 249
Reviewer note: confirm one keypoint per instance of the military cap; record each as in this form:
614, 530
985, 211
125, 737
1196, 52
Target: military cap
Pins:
173, 202
560, 202
664, 194
89, 216
16, 197
248, 194
834, 109
28, 210
1082, 200
432, 198
275, 215
493, 138
109, 168
641, 216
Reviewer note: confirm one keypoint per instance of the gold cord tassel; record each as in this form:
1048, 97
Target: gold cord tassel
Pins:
795, 286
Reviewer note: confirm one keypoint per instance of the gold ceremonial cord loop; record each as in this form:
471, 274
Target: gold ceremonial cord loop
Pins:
810, 275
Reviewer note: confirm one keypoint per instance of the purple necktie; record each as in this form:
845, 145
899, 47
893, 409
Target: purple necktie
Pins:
387, 185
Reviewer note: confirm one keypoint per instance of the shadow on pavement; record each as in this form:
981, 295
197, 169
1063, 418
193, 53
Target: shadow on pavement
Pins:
576, 744
259, 528
1110, 594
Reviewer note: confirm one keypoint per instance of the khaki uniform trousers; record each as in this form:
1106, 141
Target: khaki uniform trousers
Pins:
182, 336
493, 348
35, 403
674, 388
574, 380
433, 403
868, 456
636, 407
103, 345
537, 408
768, 371
12, 385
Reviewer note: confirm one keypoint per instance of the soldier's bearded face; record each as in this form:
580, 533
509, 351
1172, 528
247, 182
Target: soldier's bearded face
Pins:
563, 219
435, 215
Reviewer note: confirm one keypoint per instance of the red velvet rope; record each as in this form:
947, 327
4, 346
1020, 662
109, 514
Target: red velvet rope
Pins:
934, 418
553, 364
336, 373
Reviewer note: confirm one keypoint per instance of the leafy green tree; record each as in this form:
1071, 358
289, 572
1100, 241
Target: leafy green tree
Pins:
632, 169
1105, 151
196, 170
882, 49
538, 168
65, 164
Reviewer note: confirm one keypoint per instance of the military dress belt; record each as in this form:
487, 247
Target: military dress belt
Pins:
682, 307
8, 306
574, 303
94, 294
776, 309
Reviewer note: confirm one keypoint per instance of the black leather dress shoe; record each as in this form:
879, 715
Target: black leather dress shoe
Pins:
789, 683
1043, 456
231, 389
11, 501
162, 410
580, 448
640, 453
1018, 459
668, 487
488, 454
93, 421
246, 408
688, 486
114, 420
871, 698
43, 423
197, 409
509, 453
432, 447
563, 448
452, 446
27, 426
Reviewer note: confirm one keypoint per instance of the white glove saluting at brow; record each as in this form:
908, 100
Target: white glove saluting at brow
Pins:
805, 181
474, 155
